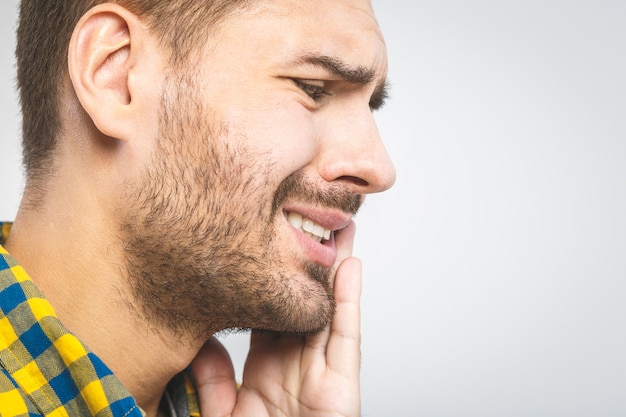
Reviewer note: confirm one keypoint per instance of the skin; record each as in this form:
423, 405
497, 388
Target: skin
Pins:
271, 97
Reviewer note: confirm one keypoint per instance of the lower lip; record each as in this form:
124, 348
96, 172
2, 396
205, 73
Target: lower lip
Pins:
323, 254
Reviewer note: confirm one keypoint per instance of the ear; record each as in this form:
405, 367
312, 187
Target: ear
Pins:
100, 60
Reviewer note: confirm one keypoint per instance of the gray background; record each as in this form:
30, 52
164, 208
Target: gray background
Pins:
495, 269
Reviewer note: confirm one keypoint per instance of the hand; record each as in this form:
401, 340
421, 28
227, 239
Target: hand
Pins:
290, 376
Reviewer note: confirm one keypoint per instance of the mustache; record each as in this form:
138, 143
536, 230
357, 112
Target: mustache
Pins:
336, 196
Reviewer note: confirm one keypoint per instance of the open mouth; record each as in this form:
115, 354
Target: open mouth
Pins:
309, 227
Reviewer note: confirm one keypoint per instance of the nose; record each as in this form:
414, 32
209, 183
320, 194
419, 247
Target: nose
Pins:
353, 152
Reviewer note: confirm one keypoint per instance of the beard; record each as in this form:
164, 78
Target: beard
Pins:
199, 231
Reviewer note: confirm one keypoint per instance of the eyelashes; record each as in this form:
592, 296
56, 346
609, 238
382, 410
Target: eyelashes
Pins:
315, 92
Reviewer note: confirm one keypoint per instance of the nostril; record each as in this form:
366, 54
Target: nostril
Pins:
354, 180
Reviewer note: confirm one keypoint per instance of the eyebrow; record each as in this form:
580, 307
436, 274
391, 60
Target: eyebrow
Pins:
354, 75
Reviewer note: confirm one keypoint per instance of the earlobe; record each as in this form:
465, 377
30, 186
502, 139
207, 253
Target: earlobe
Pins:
99, 62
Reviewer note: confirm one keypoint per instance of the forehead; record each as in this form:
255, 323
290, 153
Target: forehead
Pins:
354, 13
346, 29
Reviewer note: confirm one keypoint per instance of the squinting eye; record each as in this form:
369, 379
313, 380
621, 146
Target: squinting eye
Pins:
316, 92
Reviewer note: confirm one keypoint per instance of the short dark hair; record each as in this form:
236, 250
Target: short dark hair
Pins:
43, 36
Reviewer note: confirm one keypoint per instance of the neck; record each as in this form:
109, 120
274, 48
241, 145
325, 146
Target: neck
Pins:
79, 266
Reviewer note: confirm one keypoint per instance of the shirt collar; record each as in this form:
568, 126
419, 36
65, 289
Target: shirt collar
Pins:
4, 231
180, 397
50, 365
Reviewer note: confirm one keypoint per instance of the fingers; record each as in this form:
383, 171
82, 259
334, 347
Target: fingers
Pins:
345, 242
343, 353
341, 342
215, 380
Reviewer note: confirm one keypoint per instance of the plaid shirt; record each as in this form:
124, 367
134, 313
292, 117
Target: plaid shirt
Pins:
47, 371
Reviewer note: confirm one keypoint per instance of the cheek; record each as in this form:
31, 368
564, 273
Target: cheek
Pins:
284, 134
277, 129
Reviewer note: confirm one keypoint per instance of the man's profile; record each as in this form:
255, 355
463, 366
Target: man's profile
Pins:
191, 166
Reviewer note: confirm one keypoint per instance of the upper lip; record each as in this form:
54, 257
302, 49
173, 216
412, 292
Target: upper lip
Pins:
328, 218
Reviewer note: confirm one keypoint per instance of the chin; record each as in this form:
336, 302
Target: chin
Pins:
307, 308
302, 328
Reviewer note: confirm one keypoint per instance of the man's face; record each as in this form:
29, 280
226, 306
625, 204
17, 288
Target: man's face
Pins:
265, 149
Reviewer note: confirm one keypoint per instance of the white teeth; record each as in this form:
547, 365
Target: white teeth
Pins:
295, 219
309, 227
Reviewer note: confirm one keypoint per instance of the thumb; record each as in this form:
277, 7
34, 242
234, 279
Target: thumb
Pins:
215, 380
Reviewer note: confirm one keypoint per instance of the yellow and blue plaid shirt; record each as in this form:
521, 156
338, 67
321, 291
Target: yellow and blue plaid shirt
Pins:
46, 371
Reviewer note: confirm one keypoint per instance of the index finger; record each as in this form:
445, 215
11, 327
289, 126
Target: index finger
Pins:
343, 353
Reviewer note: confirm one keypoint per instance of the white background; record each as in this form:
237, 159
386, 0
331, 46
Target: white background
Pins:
495, 270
